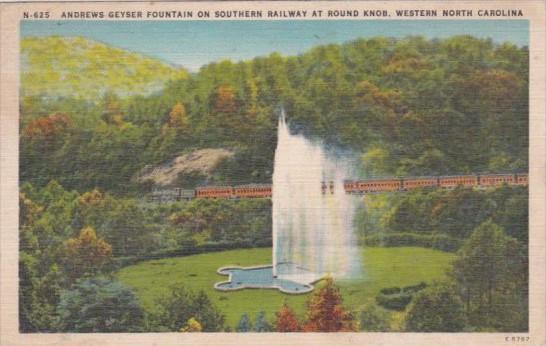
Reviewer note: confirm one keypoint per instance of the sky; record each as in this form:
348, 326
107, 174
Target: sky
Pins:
192, 44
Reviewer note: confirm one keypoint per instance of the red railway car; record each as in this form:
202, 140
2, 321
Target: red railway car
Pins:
350, 186
456, 180
252, 191
378, 185
522, 179
214, 192
497, 179
418, 182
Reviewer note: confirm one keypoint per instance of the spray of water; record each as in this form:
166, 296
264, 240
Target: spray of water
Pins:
313, 233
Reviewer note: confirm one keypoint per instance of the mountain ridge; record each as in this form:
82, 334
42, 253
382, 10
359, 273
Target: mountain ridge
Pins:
83, 68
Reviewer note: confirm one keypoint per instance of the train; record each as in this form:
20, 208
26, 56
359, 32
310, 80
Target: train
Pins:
411, 183
350, 186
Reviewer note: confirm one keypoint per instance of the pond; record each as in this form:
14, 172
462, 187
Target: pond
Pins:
262, 277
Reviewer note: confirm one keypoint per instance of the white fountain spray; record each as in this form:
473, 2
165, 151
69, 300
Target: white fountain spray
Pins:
313, 232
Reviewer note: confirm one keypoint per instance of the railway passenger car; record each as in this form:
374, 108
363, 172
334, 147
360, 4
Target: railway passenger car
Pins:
350, 186
252, 191
379, 185
456, 180
497, 179
418, 182
522, 179
214, 192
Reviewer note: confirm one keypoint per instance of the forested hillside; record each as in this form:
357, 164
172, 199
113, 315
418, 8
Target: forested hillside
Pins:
81, 68
410, 107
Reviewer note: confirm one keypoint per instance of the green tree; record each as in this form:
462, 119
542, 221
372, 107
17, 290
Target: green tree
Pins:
180, 305
244, 325
99, 305
260, 323
436, 309
491, 276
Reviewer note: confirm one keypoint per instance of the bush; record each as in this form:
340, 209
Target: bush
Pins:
393, 301
415, 288
390, 290
396, 298
374, 319
436, 309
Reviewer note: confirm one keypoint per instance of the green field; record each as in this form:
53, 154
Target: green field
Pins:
383, 267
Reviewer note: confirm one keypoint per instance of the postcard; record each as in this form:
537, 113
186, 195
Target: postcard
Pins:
244, 173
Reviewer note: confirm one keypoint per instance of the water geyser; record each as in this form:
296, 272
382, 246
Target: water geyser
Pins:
313, 234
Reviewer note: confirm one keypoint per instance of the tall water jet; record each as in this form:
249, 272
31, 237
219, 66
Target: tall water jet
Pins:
313, 232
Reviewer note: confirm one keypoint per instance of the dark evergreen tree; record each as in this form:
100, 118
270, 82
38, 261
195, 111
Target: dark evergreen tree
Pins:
260, 323
244, 325
99, 305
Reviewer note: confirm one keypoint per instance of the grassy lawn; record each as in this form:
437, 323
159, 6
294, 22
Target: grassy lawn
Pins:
383, 267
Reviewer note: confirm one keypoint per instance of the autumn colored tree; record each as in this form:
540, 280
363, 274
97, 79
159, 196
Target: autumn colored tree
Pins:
178, 117
86, 255
286, 320
47, 128
325, 312
224, 100
192, 326
91, 198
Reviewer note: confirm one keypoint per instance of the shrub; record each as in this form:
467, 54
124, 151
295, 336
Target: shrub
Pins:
390, 290
415, 288
394, 301
374, 319
396, 298
436, 309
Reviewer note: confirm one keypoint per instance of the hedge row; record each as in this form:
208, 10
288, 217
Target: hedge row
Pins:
188, 249
406, 289
394, 301
396, 298
435, 241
